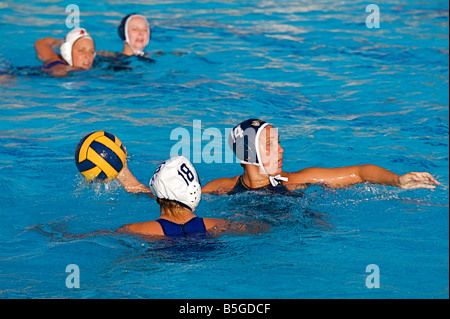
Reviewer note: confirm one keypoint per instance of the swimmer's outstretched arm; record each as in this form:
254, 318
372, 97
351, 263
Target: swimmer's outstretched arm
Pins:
130, 183
345, 176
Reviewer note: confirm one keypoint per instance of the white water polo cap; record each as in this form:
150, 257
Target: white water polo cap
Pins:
70, 39
176, 179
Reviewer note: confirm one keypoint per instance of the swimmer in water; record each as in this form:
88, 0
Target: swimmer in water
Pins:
256, 143
77, 52
177, 189
135, 33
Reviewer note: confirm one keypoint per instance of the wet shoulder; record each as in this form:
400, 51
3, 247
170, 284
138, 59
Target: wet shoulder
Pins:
144, 228
220, 186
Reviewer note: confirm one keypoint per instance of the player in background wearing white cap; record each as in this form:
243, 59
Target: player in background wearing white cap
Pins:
177, 189
77, 51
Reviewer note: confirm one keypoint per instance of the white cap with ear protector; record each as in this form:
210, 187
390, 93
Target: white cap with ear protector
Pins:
70, 39
176, 179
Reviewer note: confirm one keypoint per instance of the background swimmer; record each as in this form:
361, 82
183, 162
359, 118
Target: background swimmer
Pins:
256, 143
177, 189
77, 51
135, 32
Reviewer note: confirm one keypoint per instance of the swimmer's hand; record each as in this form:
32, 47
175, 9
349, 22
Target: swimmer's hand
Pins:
415, 180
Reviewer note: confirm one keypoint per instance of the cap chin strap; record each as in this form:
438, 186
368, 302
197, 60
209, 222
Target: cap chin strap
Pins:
66, 52
135, 52
274, 180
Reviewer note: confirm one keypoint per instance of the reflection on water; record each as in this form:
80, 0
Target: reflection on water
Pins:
339, 93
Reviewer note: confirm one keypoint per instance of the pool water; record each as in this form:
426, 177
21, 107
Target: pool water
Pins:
339, 93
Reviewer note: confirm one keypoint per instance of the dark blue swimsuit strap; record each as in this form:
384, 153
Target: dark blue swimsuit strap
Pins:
194, 225
52, 64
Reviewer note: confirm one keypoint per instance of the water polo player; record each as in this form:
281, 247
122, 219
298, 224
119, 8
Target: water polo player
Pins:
135, 32
77, 51
256, 144
177, 189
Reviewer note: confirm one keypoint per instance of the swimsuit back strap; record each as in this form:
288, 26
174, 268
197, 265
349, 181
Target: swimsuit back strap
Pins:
194, 225
52, 64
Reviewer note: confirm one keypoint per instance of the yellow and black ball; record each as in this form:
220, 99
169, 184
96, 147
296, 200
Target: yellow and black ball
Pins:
100, 156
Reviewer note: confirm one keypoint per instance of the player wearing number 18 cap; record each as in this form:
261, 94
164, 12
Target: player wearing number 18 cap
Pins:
177, 189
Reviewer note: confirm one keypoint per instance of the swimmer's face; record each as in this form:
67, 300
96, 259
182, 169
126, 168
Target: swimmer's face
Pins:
138, 33
271, 151
83, 53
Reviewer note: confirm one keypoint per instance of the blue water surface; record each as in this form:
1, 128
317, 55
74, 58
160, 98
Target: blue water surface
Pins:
340, 94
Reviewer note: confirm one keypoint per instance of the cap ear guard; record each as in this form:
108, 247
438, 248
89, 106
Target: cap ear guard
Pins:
243, 140
243, 147
66, 52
